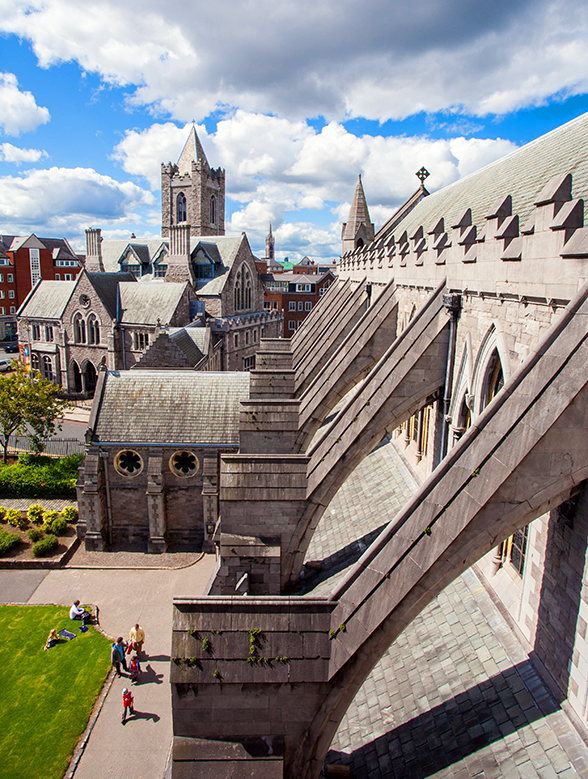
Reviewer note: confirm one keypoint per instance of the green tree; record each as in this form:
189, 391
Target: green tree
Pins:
29, 406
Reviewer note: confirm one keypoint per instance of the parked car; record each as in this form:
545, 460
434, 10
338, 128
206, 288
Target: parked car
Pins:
6, 364
11, 348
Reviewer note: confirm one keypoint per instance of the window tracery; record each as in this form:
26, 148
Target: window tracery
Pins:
181, 208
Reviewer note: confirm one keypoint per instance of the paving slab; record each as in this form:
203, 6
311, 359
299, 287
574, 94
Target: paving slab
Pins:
139, 749
19, 586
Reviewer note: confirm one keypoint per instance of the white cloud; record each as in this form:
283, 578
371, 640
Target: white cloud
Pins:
278, 171
10, 153
63, 201
377, 59
19, 113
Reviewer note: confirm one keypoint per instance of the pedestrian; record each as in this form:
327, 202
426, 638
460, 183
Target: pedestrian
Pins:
135, 668
77, 612
117, 655
128, 704
137, 636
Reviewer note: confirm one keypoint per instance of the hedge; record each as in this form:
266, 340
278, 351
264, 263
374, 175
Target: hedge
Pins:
59, 526
40, 476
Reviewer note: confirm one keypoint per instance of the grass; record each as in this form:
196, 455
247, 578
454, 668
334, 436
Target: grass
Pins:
45, 697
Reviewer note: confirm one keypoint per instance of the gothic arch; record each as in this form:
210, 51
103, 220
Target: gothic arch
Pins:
93, 328
181, 208
90, 375
212, 210
75, 376
492, 349
79, 327
243, 288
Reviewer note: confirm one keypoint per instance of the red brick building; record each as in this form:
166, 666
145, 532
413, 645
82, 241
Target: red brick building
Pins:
23, 261
294, 294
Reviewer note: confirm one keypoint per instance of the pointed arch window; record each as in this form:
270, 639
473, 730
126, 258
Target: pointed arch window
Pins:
34, 362
212, 210
47, 367
494, 378
93, 330
182, 208
79, 329
243, 289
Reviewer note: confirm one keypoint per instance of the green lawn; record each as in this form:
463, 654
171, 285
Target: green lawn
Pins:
45, 697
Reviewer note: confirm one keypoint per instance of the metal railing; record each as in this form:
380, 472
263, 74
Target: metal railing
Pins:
54, 447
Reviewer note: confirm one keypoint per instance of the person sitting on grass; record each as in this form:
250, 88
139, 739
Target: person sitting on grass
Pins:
77, 612
51, 639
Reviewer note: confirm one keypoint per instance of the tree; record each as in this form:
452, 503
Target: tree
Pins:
29, 406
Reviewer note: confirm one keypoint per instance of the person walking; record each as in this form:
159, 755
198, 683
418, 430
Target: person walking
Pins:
128, 704
117, 655
137, 637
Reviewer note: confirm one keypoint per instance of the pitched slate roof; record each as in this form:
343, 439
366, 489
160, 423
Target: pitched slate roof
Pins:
47, 300
522, 174
145, 303
112, 251
192, 342
106, 286
227, 249
176, 407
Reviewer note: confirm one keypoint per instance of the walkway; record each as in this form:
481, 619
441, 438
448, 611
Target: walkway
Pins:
140, 749
456, 695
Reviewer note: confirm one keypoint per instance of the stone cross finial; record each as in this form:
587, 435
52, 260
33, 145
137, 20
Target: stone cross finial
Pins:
422, 174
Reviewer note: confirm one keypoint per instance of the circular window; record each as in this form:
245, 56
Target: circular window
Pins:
84, 301
128, 463
184, 464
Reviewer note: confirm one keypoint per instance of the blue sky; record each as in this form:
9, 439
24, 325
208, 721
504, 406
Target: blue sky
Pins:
292, 99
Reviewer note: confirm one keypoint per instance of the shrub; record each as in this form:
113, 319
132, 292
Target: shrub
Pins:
45, 545
3, 511
70, 514
36, 476
15, 518
7, 540
35, 513
59, 526
49, 516
35, 534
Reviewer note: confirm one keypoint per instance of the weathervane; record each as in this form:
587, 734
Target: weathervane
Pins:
422, 174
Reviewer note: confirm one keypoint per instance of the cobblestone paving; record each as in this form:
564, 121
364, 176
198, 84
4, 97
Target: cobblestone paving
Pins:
456, 695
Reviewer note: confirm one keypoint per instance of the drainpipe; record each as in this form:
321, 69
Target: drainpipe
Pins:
453, 305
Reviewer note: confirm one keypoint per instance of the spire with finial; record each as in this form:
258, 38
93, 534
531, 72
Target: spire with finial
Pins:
269, 244
358, 229
192, 152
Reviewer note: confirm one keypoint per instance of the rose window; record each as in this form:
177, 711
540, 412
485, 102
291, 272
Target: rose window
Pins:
128, 463
184, 464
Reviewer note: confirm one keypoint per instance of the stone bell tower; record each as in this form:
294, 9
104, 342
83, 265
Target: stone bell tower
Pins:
192, 193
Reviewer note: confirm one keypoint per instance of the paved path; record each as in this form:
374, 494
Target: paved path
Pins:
456, 695
139, 750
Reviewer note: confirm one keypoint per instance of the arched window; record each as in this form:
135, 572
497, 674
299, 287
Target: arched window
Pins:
359, 243
93, 330
34, 362
494, 378
79, 329
182, 208
77, 376
212, 210
243, 286
47, 367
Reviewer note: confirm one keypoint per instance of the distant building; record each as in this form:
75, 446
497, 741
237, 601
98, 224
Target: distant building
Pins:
295, 295
24, 260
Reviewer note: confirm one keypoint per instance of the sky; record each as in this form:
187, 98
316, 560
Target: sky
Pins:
293, 98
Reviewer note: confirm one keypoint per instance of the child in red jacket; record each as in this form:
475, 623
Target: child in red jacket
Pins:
128, 704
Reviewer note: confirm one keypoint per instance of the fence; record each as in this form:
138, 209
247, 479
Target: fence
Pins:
55, 447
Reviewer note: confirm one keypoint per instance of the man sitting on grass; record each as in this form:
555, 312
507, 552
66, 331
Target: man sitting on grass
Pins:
77, 612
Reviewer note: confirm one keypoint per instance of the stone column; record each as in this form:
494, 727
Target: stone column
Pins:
156, 503
210, 466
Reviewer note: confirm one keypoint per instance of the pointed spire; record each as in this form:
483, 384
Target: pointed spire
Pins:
358, 229
192, 152
270, 244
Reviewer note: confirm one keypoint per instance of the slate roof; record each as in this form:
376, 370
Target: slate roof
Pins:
106, 286
112, 251
522, 174
176, 407
227, 249
192, 345
144, 304
47, 300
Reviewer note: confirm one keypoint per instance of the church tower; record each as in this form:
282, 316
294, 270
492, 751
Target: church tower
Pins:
357, 230
192, 193
270, 245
